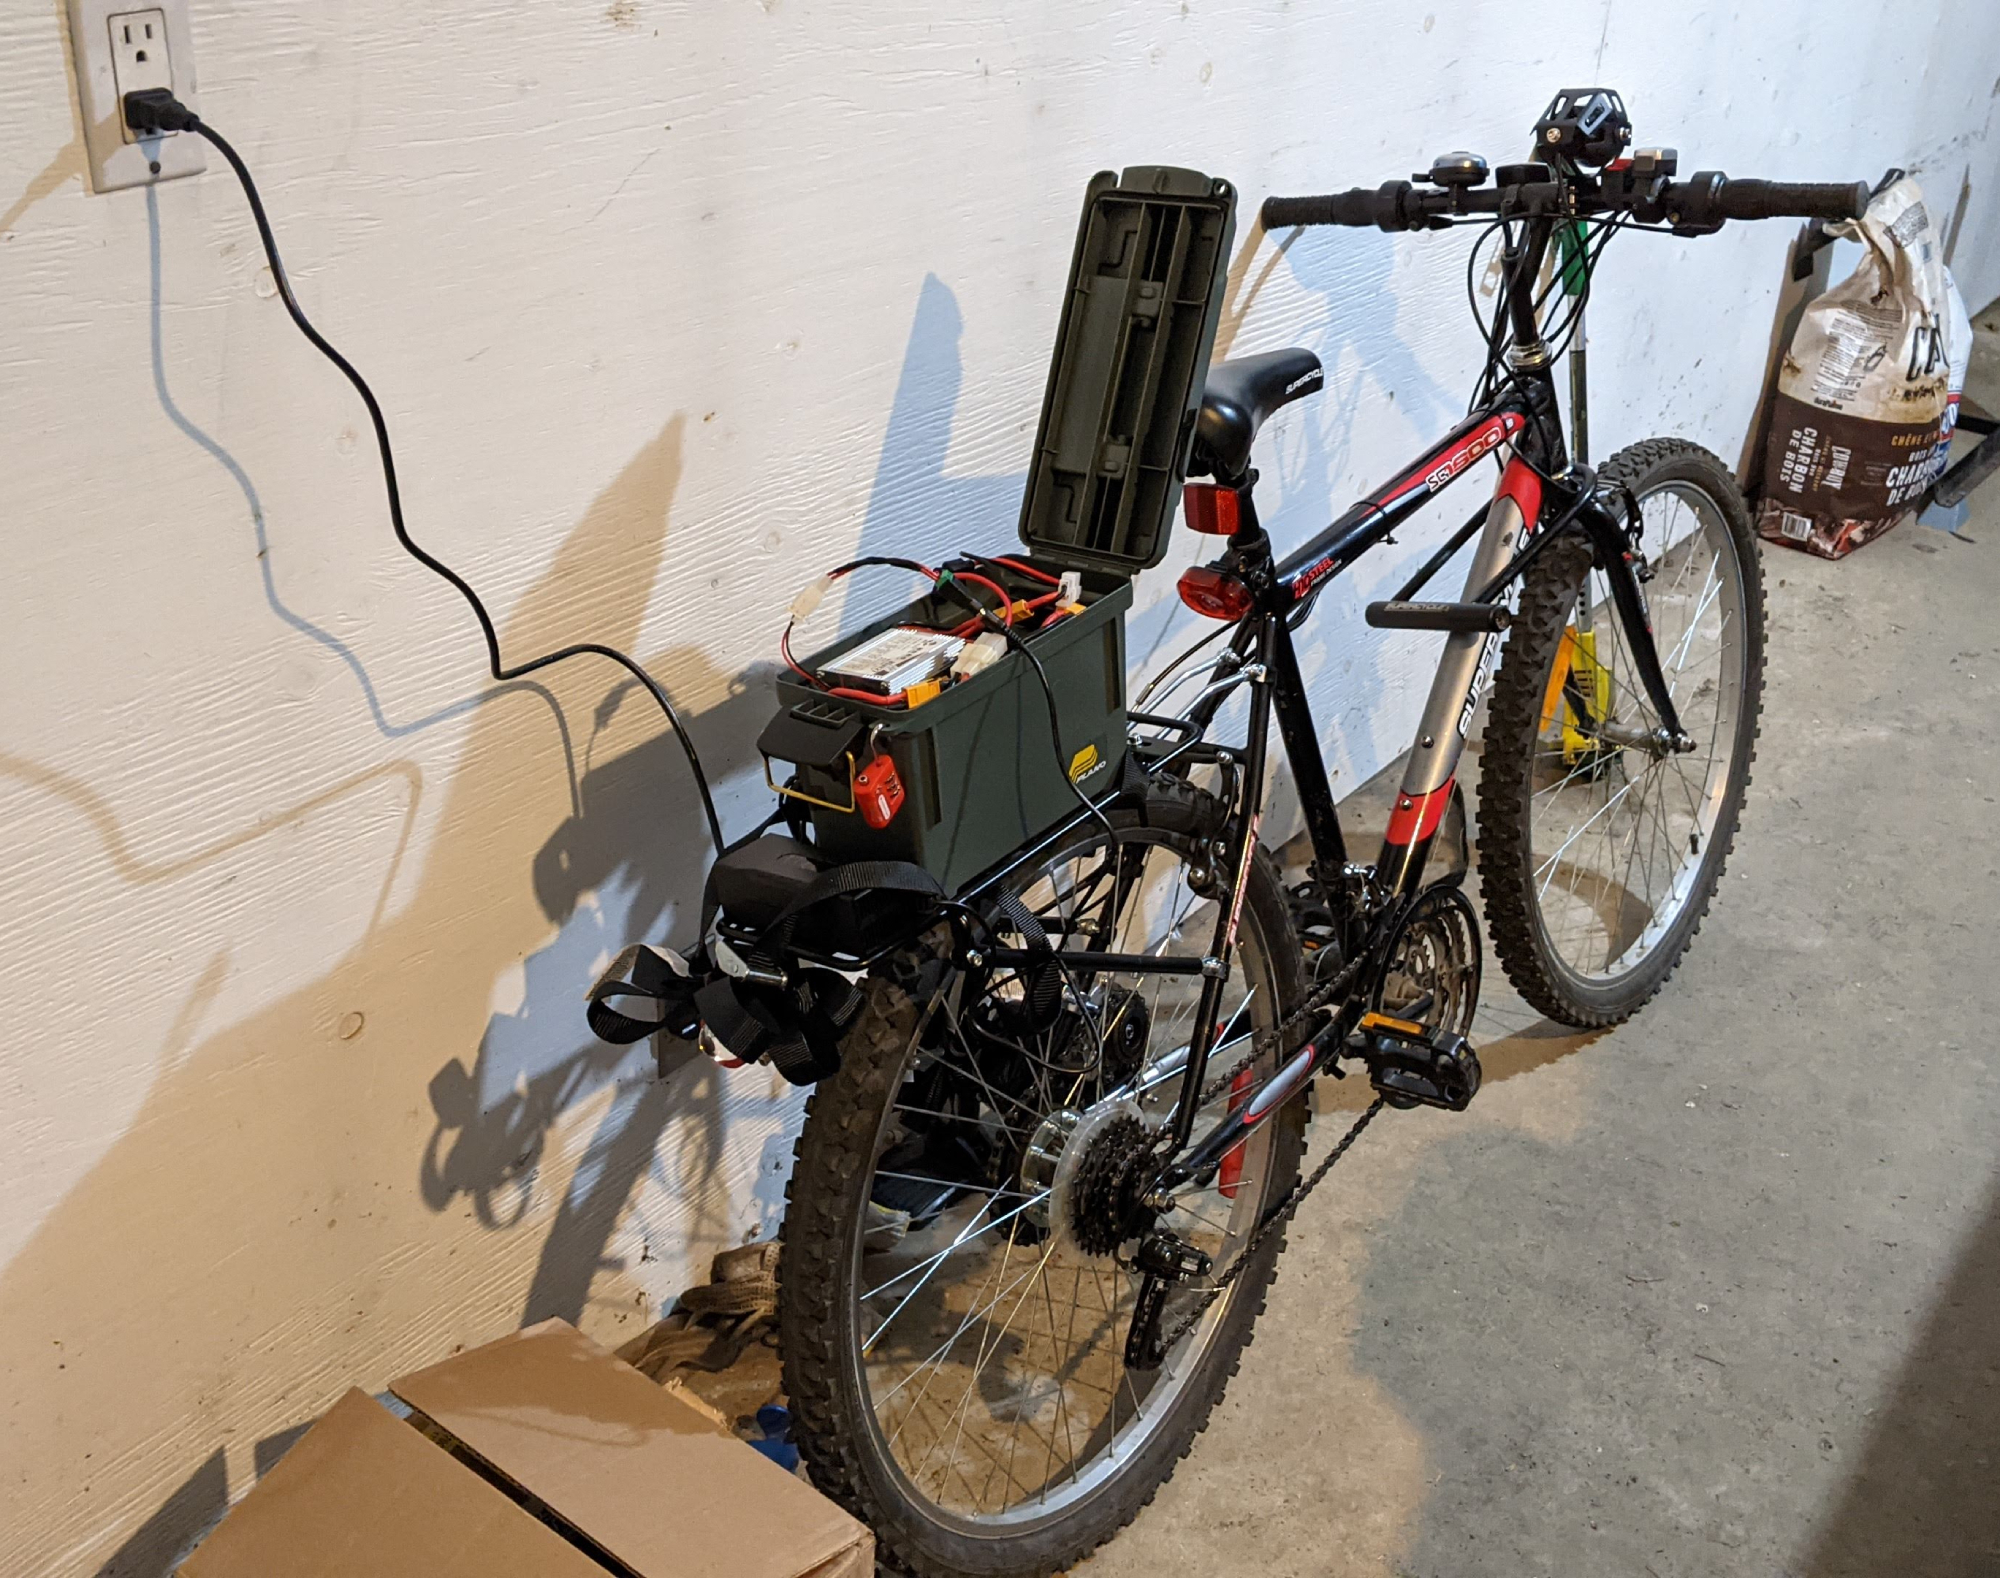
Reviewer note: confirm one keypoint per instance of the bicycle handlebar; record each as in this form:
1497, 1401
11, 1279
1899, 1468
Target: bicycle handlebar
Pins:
1357, 208
1699, 204
1752, 199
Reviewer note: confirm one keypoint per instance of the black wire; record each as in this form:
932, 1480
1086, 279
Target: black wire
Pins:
499, 670
1213, 635
1496, 376
1055, 724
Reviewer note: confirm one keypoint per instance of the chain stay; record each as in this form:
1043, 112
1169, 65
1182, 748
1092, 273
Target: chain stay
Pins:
1282, 1212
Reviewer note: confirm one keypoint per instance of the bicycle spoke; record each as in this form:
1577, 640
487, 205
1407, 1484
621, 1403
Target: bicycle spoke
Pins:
1612, 861
993, 1354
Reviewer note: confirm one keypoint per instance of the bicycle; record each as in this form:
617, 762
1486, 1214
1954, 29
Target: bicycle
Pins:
1035, 1210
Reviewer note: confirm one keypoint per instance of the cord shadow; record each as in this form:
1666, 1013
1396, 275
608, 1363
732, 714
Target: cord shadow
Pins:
217, 1156
261, 533
1925, 1500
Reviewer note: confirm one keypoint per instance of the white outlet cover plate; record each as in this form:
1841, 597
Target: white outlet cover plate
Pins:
114, 162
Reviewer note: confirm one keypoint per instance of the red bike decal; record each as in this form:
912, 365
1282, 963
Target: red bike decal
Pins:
1437, 470
1416, 817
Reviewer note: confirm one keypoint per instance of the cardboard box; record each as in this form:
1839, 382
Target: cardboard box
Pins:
546, 1457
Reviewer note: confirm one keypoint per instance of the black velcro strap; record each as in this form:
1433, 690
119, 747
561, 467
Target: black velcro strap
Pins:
1033, 934
645, 990
753, 1022
857, 876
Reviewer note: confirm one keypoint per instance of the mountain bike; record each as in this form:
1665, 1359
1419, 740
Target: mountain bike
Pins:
1035, 1210
1037, 1204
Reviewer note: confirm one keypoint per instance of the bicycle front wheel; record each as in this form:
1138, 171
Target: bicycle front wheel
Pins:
953, 1318
1599, 851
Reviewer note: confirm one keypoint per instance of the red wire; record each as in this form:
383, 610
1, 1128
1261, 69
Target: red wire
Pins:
785, 650
999, 591
1028, 570
972, 626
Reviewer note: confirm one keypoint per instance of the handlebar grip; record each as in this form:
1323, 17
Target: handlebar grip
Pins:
1358, 207
1753, 199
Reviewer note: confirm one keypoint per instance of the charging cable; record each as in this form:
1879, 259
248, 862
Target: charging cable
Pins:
153, 111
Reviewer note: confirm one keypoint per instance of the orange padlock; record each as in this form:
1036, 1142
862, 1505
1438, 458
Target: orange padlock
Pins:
878, 791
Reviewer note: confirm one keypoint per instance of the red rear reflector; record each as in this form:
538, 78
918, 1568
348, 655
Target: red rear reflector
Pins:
1210, 508
1214, 595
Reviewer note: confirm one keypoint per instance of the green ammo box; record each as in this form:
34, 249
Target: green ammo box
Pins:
980, 771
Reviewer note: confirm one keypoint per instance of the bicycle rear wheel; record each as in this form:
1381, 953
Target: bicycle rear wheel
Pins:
953, 1353
1599, 853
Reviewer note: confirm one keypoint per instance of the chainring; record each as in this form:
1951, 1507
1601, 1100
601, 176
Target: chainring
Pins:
1434, 962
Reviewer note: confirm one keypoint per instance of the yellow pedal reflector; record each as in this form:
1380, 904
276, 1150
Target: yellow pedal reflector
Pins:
1370, 1021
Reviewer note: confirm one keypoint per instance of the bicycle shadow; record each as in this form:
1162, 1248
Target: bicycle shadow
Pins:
614, 872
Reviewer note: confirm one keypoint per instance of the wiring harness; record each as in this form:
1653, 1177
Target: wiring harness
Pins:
1008, 626
1008, 618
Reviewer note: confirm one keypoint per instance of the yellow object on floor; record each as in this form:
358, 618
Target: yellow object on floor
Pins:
1577, 656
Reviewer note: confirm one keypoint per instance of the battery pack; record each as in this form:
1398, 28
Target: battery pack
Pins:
895, 660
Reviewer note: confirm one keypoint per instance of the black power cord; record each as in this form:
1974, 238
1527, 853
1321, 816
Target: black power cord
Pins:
155, 111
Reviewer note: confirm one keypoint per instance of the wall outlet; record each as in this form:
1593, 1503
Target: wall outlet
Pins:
119, 48
140, 56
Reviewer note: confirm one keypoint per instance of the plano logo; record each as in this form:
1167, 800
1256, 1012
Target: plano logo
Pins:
1085, 763
1452, 464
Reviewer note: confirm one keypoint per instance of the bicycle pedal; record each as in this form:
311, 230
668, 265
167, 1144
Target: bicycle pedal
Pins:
1415, 1065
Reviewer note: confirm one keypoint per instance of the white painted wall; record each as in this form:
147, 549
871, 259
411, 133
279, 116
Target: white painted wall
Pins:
670, 305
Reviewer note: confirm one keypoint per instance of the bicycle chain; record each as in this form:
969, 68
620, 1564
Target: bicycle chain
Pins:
1278, 1034
1282, 1212
1275, 1218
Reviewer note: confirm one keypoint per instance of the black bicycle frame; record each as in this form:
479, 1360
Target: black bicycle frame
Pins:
1540, 495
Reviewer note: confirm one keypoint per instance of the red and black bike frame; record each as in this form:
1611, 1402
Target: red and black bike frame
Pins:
1539, 496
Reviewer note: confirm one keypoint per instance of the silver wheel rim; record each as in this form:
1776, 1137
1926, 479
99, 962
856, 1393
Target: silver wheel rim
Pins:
992, 1367
1619, 839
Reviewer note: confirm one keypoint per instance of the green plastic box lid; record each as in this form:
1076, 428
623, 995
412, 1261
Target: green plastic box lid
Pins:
1138, 324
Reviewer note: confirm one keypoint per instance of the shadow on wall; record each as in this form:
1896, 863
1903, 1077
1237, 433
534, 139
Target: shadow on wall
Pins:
213, 1194
1926, 1497
614, 873
249, 1242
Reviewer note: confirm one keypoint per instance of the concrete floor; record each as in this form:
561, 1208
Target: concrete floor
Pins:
1717, 1292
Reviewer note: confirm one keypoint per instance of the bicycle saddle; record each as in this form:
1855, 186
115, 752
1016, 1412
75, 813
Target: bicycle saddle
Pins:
1240, 394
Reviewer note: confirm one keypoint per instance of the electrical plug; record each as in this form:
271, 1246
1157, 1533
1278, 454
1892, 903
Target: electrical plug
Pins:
152, 111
